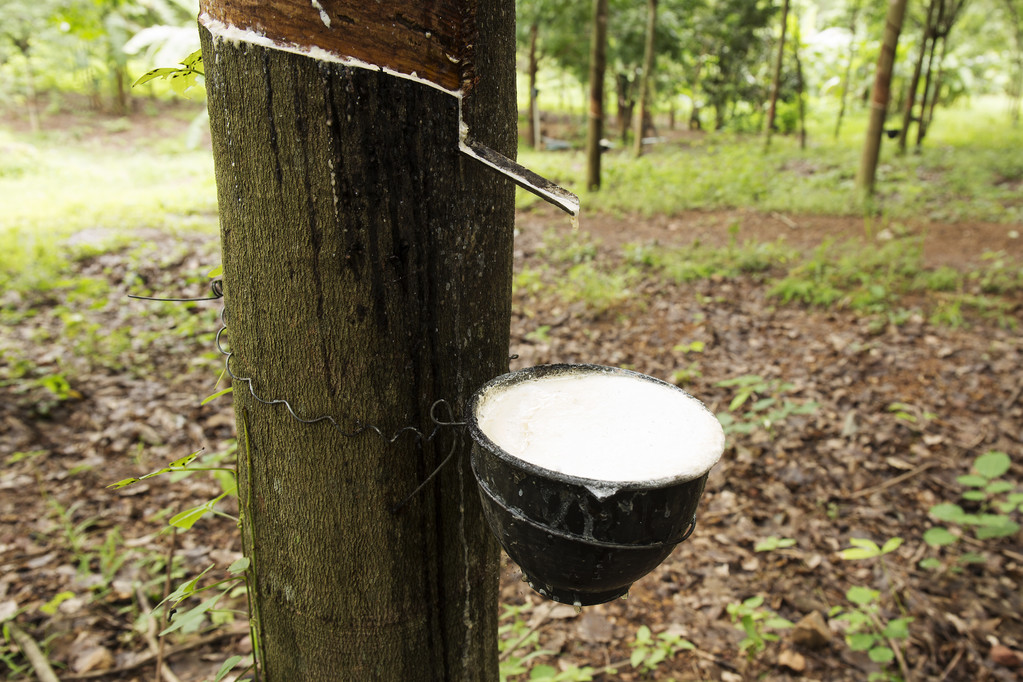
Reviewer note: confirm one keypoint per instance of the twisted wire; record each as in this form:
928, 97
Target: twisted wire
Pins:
360, 428
217, 291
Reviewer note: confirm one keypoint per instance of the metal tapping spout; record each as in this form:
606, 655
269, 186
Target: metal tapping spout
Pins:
522, 176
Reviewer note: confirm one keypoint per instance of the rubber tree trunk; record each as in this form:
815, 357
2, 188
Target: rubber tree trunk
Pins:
853, 14
645, 78
797, 41
1015, 90
879, 96
598, 64
947, 17
932, 91
626, 101
776, 77
367, 270
914, 81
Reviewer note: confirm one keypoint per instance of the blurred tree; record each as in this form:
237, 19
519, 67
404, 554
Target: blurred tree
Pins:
880, 95
854, 11
646, 78
550, 29
776, 79
1014, 12
22, 26
730, 41
941, 17
598, 65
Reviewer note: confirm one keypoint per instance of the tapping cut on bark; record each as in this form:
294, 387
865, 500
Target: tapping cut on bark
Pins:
432, 43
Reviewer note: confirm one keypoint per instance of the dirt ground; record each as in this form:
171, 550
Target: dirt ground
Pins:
856, 467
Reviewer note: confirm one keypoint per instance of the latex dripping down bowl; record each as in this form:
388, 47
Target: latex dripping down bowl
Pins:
580, 540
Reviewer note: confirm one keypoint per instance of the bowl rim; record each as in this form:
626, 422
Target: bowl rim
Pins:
539, 371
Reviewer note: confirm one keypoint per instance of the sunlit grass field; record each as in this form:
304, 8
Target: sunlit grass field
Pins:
969, 168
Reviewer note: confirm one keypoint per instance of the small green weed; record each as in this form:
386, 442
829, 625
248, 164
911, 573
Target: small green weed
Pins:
994, 501
519, 649
868, 627
765, 401
649, 651
866, 630
571, 248
773, 543
758, 622
74, 532
698, 262
692, 371
598, 290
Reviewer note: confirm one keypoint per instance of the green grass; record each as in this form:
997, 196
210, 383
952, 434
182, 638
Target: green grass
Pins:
886, 281
67, 202
697, 261
67, 198
962, 173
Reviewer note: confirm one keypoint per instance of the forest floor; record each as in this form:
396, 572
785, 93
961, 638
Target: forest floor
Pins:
857, 425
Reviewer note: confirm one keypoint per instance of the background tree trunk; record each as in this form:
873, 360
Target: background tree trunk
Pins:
644, 79
534, 114
914, 81
927, 105
367, 269
949, 13
928, 80
1015, 90
853, 14
879, 97
797, 41
776, 78
626, 101
598, 64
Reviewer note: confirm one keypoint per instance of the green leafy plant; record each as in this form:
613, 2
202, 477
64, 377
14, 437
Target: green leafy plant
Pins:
191, 619
182, 78
765, 402
995, 500
774, 542
598, 290
867, 626
649, 651
757, 621
75, 532
868, 631
519, 648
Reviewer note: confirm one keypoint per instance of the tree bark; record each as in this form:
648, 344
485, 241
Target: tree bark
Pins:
947, 17
644, 80
928, 79
626, 100
854, 12
800, 84
1016, 80
598, 64
367, 270
776, 78
879, 97
914, 81
928, 104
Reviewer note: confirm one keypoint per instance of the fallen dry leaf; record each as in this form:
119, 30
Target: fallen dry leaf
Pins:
97, 658
811, 631
793, 660
1003, 655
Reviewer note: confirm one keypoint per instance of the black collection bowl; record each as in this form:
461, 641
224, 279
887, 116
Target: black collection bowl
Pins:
578, 540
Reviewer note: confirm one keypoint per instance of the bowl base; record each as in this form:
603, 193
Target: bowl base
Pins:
575, 597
